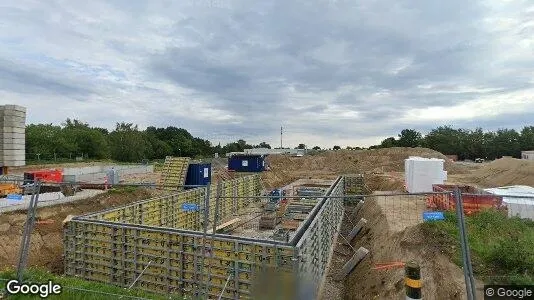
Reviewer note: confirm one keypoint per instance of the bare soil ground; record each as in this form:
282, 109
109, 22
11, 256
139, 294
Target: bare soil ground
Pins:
503, 172
383, 168
47, 239
391, 240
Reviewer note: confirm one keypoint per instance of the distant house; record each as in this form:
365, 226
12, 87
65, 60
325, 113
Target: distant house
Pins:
527, 155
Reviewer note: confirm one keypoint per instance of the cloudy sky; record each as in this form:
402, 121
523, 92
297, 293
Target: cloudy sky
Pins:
343, 72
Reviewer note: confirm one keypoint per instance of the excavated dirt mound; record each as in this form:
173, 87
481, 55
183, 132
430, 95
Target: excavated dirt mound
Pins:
47, 239
505, 171
441, 278
354, 161
383, 167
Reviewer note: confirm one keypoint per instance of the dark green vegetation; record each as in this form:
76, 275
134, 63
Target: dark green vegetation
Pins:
47, 142
467, 144
502, 248
74, 288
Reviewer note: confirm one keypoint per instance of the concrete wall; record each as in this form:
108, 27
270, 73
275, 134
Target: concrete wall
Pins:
97, 174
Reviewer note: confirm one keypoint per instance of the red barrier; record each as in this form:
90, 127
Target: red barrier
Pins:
475, 201
50, 176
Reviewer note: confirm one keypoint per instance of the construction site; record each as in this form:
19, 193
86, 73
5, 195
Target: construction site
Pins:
333, 225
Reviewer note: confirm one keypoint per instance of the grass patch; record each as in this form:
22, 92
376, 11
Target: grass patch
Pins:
502, 248
71, 285
121, 190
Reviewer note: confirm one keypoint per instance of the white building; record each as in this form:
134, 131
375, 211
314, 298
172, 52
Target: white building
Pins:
527, 155
519, 200
421, 173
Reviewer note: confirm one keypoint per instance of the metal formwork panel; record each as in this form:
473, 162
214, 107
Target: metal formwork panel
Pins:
153, 240
316, 245
118, 253
174, 173
163, 211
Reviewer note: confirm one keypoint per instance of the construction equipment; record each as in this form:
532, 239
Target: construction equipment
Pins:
276, 197
9, 188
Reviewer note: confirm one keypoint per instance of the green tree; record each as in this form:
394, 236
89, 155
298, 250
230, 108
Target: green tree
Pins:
507, 143
264, 145
388, 143
128, 143
88, 141
527, 138
301, 146
445, 140
316, 148
336, 148
46, 140
409, 138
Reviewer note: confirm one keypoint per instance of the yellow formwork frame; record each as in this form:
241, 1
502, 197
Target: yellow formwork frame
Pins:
115, 246
117, 253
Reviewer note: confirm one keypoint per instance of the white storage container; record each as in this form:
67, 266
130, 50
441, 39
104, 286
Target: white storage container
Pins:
421, 173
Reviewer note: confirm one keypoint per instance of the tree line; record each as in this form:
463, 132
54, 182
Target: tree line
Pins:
126, 142
466, 143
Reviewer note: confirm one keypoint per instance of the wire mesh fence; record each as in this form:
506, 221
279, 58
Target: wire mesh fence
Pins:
426, 228
498, 247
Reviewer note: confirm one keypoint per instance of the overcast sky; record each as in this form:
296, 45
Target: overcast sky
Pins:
343, 72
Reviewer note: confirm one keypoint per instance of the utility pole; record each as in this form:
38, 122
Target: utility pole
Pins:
281, 133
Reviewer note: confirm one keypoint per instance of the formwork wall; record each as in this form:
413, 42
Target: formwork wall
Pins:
187, 262
167, 211
117, 253
316, 245
163, 211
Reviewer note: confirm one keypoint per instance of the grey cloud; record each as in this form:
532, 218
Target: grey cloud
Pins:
23, 79
243, 57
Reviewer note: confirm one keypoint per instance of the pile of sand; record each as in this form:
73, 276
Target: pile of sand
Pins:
505, 171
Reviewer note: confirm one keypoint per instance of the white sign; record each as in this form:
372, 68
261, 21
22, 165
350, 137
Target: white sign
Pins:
244, 163
206, 172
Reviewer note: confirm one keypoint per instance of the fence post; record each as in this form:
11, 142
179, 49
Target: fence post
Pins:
466, 256
28, 228
412, 281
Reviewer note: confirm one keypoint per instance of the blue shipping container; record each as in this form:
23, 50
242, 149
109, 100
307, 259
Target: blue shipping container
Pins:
246, 163
198, 174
